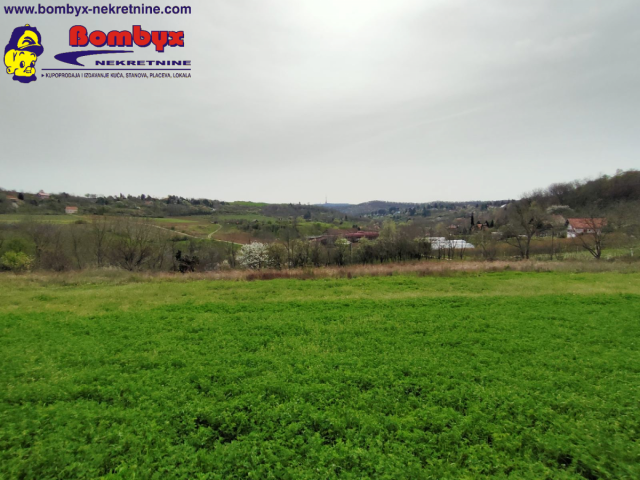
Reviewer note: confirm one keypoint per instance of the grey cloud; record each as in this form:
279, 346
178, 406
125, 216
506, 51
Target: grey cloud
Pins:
292, 100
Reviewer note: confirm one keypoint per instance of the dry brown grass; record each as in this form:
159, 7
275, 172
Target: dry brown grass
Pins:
424, 268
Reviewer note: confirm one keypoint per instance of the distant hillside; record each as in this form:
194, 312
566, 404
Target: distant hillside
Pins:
334, 206
24, 203
380, 207
603, 192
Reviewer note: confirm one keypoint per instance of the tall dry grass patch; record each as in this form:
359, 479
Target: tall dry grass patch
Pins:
442, 268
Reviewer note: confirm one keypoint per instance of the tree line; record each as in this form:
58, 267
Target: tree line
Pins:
105, 242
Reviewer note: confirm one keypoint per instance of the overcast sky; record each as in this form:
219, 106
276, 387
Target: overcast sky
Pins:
292, 100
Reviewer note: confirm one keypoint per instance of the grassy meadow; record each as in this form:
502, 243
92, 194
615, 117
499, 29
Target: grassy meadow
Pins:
54, 219
472, 375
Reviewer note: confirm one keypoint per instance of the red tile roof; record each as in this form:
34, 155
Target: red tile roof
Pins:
587, 223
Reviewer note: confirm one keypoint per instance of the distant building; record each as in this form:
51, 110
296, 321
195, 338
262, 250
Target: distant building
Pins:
580, 226
71, 210
442, 243
42, 195
13, 199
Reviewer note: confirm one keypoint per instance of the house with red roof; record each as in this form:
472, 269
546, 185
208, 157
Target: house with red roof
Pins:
581, 226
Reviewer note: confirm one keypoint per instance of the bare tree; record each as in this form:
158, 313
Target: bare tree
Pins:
288, 236
439, 231
487, 242
316, 253
625, 218
53, 255
525, 220
100, 229
555, 225
163, 248
594, 234
133, 243
232, 253
341, 251
450, 244
462, 246
77, 235
41, 234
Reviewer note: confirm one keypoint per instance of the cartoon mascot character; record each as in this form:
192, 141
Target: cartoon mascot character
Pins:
22, 52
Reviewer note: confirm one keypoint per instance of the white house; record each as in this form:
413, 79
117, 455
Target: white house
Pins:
438, 243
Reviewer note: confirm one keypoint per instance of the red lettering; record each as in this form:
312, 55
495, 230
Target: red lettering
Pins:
176, 39
78, 36
141, 37
120, 39
159, 39
98, 38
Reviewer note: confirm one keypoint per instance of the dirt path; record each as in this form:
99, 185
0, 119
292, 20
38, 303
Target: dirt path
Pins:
175, 231
208, 237
216, 231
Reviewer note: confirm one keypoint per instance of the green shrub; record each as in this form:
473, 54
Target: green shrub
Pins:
16, 261
17, 245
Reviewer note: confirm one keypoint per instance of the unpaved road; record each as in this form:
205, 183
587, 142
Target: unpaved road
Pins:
209, 237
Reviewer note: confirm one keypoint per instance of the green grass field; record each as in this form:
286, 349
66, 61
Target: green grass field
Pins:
203, 219
66, 219
490, 375
57, 219
242, 216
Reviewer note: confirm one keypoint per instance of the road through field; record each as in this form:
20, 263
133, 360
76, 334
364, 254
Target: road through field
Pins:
208, 237
215, 231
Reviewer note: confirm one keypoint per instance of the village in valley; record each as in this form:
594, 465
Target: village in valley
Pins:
593, 219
